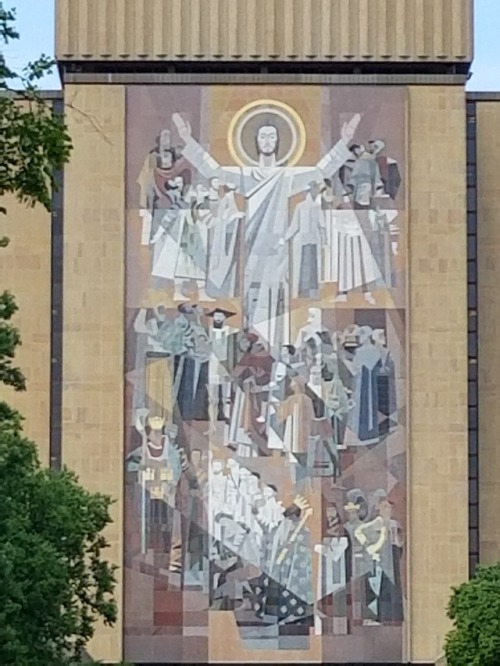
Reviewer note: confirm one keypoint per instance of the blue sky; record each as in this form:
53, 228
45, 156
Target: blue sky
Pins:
36, 25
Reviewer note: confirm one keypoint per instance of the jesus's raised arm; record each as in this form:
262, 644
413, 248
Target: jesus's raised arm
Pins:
205, 164
331, 163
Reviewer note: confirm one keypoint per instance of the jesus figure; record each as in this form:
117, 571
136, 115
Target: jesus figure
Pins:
267, 188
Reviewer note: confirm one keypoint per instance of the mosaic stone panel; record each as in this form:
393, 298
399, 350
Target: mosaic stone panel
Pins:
266, 438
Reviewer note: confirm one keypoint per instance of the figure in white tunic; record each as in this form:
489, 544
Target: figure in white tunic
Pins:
267, 189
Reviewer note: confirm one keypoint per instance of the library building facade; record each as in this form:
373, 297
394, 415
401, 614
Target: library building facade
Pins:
265, 321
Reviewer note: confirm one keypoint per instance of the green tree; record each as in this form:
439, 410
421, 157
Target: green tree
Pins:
54, 582
33, 138
475, 610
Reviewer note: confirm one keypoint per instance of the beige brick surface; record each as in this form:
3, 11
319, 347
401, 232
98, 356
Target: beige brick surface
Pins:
438, 556
93, 351
25, 271
94, 209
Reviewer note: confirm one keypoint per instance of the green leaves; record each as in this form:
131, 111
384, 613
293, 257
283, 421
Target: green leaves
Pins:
9, 341
35, 143
54, 581
475, 610
34, 146
7, 18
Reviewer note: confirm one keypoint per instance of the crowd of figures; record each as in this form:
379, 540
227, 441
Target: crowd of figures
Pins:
344, 231
221, 527
245, 421
262, 557
225, 531
324, 392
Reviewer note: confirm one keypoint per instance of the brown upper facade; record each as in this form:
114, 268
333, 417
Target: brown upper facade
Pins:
392, 31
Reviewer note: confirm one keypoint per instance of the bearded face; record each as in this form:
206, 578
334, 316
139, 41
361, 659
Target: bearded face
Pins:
267, 140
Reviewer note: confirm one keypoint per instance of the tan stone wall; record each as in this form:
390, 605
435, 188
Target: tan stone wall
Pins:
25, 271
488, 163
93, 311
93, 345
329, 30
438, 363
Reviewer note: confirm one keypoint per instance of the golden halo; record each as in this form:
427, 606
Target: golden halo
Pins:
243, 127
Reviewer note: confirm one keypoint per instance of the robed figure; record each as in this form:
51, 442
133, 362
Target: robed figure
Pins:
267, 188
